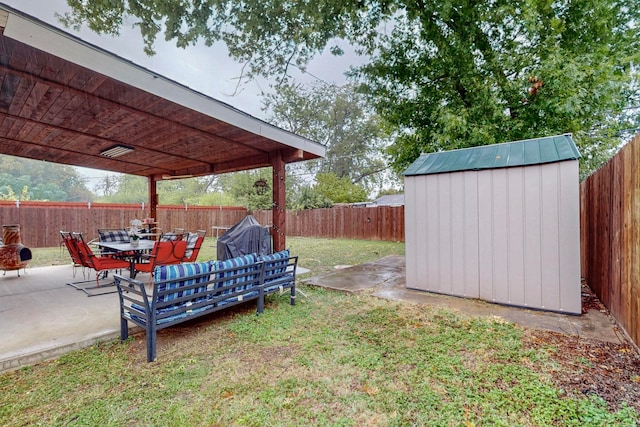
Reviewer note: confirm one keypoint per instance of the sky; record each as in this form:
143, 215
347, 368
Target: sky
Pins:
208, 70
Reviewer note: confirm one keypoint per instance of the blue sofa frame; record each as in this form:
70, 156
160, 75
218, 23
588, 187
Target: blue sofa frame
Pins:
185, 291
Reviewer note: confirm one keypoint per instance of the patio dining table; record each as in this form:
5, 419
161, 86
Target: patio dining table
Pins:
133, 251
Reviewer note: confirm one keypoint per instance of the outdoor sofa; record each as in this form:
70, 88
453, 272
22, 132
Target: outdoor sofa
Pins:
185, 291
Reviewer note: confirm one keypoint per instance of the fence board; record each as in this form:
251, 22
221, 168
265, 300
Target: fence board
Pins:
610, 236
41, 222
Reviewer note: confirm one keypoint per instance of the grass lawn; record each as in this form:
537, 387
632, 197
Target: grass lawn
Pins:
333, 359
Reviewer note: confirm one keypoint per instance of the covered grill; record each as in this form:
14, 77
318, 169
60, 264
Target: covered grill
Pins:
245, 237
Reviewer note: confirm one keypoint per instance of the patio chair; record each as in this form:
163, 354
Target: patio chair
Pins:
163, 253
70, 243
100, 264
112, 235
194, 243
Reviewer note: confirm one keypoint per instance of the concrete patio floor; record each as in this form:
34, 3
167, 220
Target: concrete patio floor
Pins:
43, 318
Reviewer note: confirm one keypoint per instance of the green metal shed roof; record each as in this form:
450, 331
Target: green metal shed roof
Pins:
518, 153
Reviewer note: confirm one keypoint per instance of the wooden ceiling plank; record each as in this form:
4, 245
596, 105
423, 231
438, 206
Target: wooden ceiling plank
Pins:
72, 112
38, 91
65, 73
242, 164
95, 81
24, 131
48, 99
33, 133
15, 129
55, 113
145, 115
8, 89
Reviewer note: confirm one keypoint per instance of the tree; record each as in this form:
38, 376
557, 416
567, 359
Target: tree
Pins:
307, 197
135, 189
448, 74
28, 179
241, 186
340, 119
452, 76
339, 190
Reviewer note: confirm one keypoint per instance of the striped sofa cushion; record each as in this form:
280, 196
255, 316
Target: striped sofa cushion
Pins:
277, 259
245, 264
169, 272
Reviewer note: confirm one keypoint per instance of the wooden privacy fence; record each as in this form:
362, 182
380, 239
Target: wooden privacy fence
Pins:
375, 223
610, 236
40, 222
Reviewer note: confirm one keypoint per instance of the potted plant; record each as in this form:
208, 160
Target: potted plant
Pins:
134, 231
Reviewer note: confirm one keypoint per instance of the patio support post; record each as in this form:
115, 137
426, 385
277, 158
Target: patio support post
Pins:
278, 231
153, 197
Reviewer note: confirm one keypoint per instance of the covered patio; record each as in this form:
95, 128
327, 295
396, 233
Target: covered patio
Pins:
65, 101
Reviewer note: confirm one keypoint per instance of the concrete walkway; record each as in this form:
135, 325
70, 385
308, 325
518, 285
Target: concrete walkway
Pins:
385, 278
43, 318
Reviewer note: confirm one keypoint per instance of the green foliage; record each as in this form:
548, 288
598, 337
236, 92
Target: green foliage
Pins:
25, 179
443, 75
342, 120
339, 190
127, 189
135, 189
241, 186
308, 197
267, 35
453, 77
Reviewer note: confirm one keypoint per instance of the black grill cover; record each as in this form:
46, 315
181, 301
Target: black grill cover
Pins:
246, 237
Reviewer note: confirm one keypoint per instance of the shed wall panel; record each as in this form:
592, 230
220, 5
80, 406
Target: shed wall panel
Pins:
412, 249
457, 233
550, 237
470, 237
569, 241
445, 237
507, 235
431, 261
515, 236
532, 223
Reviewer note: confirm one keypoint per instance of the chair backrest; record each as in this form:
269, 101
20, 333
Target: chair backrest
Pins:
167, 253
84, 251
194, 242
72, 247
113, 235
171, 237
97, 263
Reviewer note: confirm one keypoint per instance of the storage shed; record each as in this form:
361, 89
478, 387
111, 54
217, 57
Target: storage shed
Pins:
499, 222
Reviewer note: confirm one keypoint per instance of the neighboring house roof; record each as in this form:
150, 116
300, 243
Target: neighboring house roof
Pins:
518, 153
390, 200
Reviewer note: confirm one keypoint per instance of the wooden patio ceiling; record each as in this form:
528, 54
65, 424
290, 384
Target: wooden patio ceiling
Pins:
65, 101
